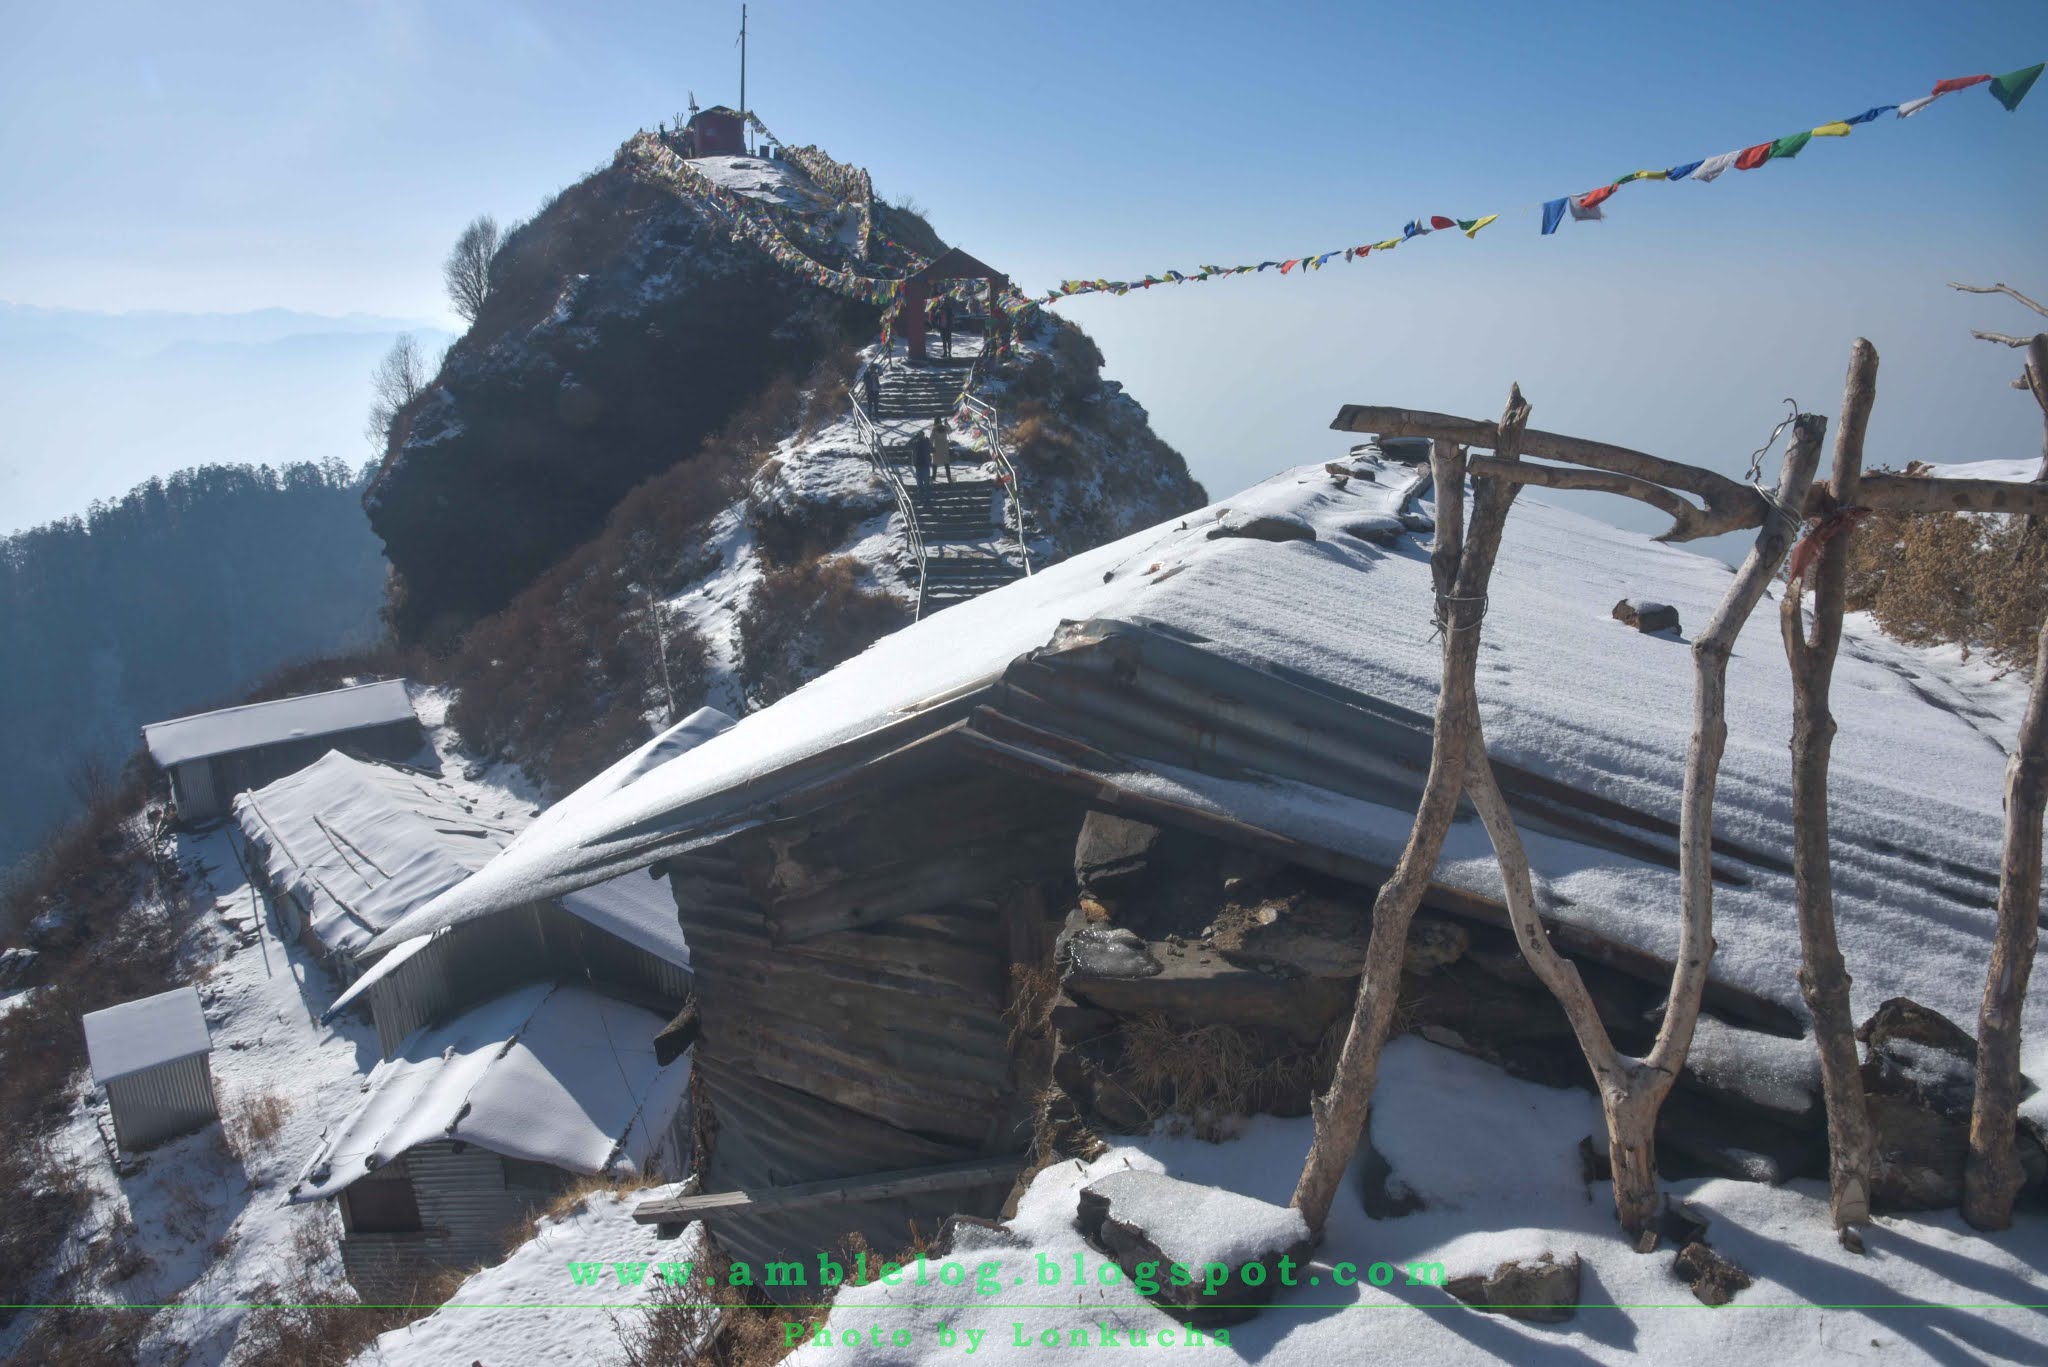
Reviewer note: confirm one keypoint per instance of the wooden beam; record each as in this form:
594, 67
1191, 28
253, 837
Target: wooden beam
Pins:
1888, 493
1729, 505
873, 1186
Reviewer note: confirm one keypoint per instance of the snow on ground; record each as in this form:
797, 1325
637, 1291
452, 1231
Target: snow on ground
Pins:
773, 182
2022, 470
531, 1308
1496, 1161
211, 1229
201, 1227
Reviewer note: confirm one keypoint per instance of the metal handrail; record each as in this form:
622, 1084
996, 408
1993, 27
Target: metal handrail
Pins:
991, 422
913, 535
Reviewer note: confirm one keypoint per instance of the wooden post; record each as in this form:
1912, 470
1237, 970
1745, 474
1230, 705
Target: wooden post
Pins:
1633, 1126
1462, 567
1823, 976
1991, 1175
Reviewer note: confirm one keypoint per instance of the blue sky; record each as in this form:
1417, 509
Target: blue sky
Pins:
226, 156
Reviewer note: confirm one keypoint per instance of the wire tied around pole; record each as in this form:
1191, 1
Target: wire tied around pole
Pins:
1756, 457
1441, 622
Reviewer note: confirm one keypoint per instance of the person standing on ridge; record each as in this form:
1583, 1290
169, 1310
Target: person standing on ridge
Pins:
871, 390
921, 462
941, 447
946, 328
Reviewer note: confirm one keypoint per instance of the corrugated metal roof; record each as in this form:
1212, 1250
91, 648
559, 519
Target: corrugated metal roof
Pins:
126, 1039
267, 723
557, 1075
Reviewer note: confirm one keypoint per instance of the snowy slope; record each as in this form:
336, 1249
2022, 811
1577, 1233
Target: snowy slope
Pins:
207, 1231
530, 1308
1495, 1160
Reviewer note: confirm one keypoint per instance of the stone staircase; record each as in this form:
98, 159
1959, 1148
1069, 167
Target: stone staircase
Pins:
967, 549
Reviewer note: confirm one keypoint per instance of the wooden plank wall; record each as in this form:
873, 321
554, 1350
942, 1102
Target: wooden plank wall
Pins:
853, 974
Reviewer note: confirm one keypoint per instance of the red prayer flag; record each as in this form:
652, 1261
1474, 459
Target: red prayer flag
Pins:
1753, 157
1592, 197
1287, 266
1439, 221
1958, 83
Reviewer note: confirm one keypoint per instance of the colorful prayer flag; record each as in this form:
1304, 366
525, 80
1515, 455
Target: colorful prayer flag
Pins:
1958, 83
1749, 158
1439, 221
1789, 145
1681, 172
1553, 214
2013, 86
1473, 225
1712, 167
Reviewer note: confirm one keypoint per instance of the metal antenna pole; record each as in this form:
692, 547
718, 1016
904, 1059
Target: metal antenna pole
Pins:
744, 139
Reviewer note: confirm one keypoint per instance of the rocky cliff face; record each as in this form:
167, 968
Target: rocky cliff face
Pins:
625, 327
638, 486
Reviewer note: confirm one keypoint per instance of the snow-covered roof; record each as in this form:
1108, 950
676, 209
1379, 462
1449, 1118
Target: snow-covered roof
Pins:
1567, 693
136, 1036
556, 1075
360, 844
269, 723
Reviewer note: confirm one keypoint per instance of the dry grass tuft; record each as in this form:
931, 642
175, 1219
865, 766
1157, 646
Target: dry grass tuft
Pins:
1214, 1074
679, 1328
1977, 582
255, 1120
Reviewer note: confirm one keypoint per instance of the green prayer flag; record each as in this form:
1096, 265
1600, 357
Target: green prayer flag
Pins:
1789, 145
2013, 86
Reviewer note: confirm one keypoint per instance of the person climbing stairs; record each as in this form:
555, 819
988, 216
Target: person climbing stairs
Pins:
968, 547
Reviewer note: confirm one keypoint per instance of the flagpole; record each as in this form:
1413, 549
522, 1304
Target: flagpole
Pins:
745, 139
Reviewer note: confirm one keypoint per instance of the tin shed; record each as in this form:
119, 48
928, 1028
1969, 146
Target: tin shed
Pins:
212, 756
151, 1056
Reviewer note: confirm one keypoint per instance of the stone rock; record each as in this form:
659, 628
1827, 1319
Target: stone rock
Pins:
1113, 852
1920, 1154
1382, 529
1320, 937
1920, 1076
1153, 881
1434, 944
1646, 616
1901, 1018
1734, 1142
1264, 527
16, 965
1195, 987
1147, 1217
1108, 952
1541, 1290
1713, 1279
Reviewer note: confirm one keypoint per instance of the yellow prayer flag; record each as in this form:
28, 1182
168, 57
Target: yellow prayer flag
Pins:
1837, 129
1387, 245
1473, 231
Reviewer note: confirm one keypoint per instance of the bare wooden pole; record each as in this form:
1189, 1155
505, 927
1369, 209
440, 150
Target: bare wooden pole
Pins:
1633, 1154
1462, 566
1823, 976
1991, 1175
1726, 505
